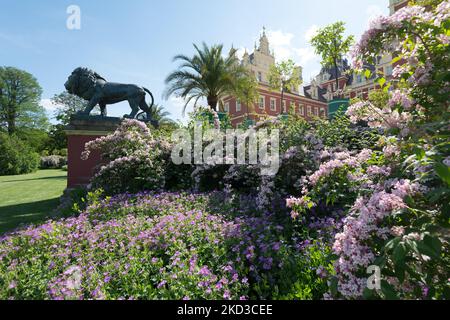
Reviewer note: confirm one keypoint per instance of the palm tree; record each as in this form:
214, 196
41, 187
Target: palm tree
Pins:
208, 74
159, 114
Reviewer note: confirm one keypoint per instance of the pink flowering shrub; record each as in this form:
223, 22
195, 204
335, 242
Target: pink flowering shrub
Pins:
395, 201
134, 159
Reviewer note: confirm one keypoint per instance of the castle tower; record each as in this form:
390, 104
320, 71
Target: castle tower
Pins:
264, 47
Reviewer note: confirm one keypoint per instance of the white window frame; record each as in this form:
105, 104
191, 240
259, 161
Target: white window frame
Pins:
238, 105
226, 107
316, 111
301, 109
308, 111
263, 106
273, 104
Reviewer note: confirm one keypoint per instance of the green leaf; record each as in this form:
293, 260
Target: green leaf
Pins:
429, 249
420, 153
380, 261
382, 82
443, 172
367, 74
434, 243
392, 244
388, 291
368, 294
399, 253
334, 286
396, 59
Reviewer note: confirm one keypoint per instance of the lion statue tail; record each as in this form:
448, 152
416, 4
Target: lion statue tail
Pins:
150, 106
149, 109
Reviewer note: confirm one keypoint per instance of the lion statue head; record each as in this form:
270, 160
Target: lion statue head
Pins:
82, 82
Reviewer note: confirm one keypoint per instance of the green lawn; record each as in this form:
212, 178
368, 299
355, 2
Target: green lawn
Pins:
29, 198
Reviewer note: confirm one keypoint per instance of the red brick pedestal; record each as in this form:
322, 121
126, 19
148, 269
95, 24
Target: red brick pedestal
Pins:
80, 131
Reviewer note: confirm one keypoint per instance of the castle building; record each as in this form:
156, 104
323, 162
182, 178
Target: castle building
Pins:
313, 101
269, 103
353, 85
395, 5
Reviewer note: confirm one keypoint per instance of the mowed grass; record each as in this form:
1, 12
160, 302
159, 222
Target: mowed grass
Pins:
29, 198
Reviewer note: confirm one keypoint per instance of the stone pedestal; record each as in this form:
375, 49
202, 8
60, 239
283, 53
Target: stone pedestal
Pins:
81, 130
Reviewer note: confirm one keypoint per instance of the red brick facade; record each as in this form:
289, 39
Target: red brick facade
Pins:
80, 171
304, 107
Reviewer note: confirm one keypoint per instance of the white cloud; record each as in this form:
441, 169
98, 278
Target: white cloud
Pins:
306, 55
281, 43
279, 38
311, 32
284, 46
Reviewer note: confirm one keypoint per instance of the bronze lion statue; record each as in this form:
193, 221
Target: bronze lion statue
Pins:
89, 85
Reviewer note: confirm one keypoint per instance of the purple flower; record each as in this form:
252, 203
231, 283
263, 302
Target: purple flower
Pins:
162, 284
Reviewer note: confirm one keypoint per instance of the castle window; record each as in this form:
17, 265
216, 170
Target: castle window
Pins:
292, 107
238, 105
301, 110
262, 102
273, 104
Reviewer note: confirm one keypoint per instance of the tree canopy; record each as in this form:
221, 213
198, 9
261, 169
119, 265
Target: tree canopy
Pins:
20, 95
208, 74
332, 46
284, 76
67, 105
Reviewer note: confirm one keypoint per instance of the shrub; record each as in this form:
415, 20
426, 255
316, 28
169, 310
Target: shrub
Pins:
16, 157
164, 247
134, 159
395, 201
53, 162
160, 246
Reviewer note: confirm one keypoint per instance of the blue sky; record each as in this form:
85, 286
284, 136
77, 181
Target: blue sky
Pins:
134, 41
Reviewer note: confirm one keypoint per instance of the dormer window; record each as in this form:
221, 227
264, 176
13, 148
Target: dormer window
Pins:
315, 93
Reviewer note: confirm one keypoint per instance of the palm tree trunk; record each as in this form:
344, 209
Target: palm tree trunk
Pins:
212, 102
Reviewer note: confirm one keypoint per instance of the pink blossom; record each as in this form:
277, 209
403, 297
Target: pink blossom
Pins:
399, 97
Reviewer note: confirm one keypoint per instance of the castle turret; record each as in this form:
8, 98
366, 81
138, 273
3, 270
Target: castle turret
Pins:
264, 44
